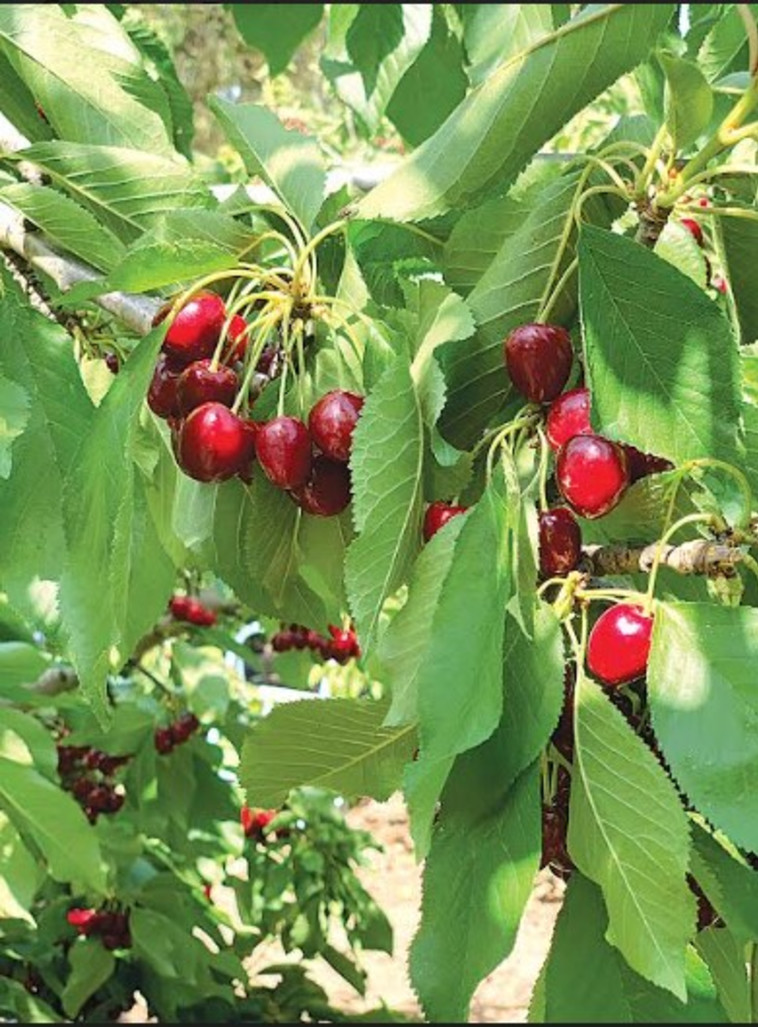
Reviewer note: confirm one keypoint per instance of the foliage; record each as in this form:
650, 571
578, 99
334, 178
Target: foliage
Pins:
472, 690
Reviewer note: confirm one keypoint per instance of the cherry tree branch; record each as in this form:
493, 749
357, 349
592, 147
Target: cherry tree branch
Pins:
699, 556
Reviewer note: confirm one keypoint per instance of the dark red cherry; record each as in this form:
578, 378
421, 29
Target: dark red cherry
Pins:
196, 328
283, 448
164, 741
327, 491
437, 515
213, 444
237, 339
199, 383
112, 362
268, 361
186, 725
592, 474
538, 358
642, 464
178, 606
332, 421
619, 644
162, 396
560, 542
694, 228
569, 415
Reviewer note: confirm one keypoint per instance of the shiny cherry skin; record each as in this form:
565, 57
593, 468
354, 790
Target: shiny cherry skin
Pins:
236, 339
592, 474
538, 358
179, 606
213, 444
283, 448
162, 394
560, 542
642, 464
199, 383
569, 415
199, 614
694, 228
437, 515
195, 330
327, 491
331, 423
619, 644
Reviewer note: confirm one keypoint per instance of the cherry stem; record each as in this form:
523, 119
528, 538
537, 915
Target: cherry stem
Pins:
500, 437
543, 468
257, 349
310, 248
693, 518
610, 594
738, 477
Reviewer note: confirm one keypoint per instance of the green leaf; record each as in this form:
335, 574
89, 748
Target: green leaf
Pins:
14, 415
730, 884
495, 33
110, 182
628, 832
91, 966
86, 75
166, 947
492, 134
477, 238
338, 744
678, 246
460, 693
18, 104
22, 876
386, 466
437, 75
289, 162
65, 223
688, 100
705, 709
36, 738
660, 356
725, 959
405, 642
725, 47
37, 356
27, 1008
478, 876
103, 512
277, 30
369, 49
740, 239
55, 822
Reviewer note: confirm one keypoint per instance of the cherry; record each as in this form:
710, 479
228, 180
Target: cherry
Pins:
196, 328
619, 644
569, 415
331, 423
252, 428
82, 788
182, 728
236, 338
199, 614
327, 491
560, 542
268, 361
282, 642
642, 464
164, 740
283, 447
694, 228
112, 362
84, 920
162, 397
592, 474
344, 644
99, 798
199, 383
437, 515
178, 605
538, 358
720, 284
213, 443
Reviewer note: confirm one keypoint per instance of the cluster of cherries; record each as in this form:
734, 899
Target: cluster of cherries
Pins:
341, 646
190, 610
196, 392
111, 926
88, 775
255, 821
177, 733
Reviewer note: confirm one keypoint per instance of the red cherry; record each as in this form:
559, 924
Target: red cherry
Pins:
560, 542
112, 362
720, 284
213, 443
199, 614
199, 384
179, 605
569, 415
115, 801
642, 464
164, 741
184, 727
84, 920
694, 228
283, 448
196, 328
538, 358
82, 788
327, 491
332, 421
437, 515
592, 474
282, 642
619, 644
267, 361
237, 339
162, 397
99, 799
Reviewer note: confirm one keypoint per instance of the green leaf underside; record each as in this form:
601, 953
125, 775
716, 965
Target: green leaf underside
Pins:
660, 356
276, 29
339, 744
701, 678
478, 876
628, 832
490, 137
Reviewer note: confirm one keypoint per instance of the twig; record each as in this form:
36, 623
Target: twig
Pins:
698, 556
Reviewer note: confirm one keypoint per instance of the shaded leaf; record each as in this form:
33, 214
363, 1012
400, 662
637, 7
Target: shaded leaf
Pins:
276, 29
14, 414
688, 100
91, 966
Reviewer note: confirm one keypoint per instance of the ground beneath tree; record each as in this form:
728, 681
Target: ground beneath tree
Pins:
394, 880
